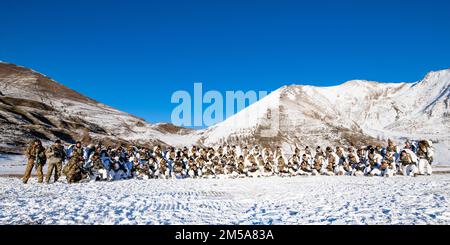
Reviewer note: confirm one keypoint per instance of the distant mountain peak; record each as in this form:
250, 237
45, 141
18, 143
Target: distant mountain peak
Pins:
355, 112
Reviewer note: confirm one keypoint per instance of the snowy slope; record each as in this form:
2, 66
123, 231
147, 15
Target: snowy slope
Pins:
354, 112
245, 122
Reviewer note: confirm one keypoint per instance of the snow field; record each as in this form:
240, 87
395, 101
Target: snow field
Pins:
271, 200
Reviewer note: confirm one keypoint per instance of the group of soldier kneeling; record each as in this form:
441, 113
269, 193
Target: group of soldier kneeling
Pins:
100, 163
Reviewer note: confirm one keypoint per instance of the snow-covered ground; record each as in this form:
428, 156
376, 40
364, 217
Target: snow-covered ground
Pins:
273, 200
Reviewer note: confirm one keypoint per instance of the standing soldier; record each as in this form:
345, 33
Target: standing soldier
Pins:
36, 158
55, 155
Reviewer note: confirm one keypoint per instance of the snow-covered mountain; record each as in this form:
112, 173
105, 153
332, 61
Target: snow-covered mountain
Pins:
33, 105
353, 113
356, 112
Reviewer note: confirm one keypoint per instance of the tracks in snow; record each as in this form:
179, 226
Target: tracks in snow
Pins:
273, 200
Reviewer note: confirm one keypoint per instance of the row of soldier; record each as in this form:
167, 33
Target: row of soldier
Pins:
94, 163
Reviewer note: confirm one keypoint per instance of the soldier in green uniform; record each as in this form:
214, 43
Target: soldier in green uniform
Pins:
55, 157
73, 169
36, 158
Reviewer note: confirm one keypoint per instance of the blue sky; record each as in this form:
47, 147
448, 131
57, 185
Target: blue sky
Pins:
133, 55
